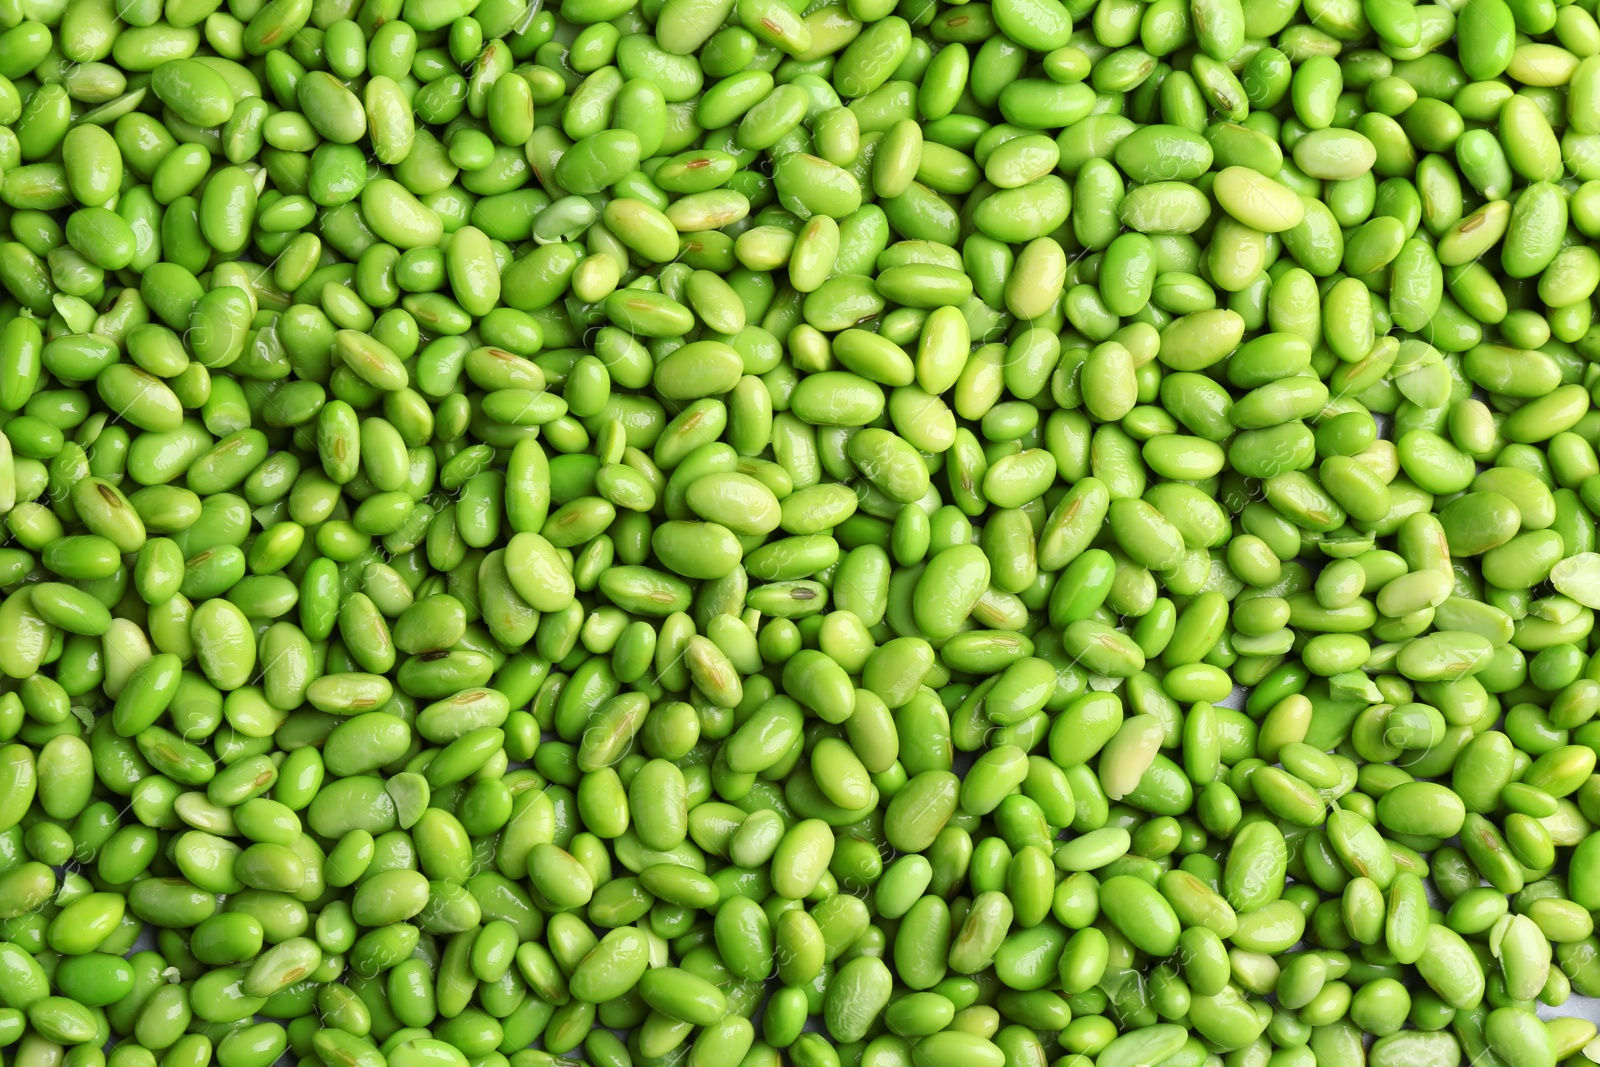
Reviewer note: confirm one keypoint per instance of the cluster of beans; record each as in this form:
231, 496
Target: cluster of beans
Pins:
720, 533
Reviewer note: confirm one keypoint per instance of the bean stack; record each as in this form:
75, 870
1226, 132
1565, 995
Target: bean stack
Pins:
723, 533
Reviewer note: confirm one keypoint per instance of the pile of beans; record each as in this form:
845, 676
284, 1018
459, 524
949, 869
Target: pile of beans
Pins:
725, 533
